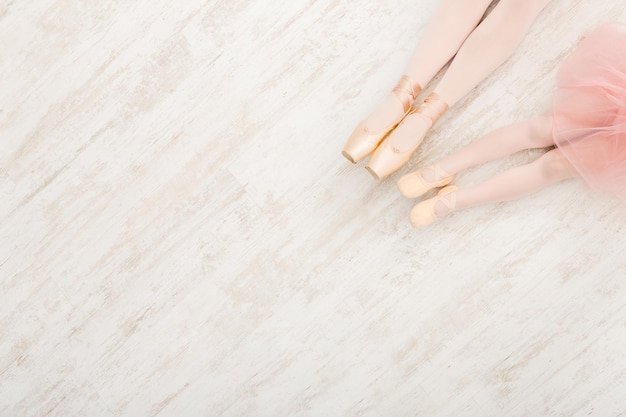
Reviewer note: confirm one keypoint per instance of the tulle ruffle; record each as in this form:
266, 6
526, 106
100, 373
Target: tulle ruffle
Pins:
590, 109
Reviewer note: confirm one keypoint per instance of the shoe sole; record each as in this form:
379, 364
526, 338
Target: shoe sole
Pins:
348, 157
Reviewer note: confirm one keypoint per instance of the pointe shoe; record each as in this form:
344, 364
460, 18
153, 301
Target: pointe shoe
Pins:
413, 184
423, 214
362, 142
387, 159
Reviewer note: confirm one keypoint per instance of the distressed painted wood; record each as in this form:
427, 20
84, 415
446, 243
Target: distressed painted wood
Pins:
180, 236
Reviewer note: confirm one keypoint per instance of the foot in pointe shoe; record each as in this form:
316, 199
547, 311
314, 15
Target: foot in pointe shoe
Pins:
362, 141
414, 184
389, 157
426, 212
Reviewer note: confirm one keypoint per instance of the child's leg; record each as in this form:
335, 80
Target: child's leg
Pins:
489, 45
533, 133
518, 182
530, 134
493, 41
442, 38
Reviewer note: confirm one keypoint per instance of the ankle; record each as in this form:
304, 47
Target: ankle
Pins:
428, 174
406, 91
446, 204
396, 105
432, 109
434, 173
441, 208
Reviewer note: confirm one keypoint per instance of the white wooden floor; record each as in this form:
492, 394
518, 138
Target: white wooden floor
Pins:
180, 236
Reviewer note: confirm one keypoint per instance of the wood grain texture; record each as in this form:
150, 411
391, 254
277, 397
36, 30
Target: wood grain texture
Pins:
180, 236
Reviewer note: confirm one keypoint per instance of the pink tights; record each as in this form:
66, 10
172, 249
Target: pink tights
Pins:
550, 168
476, 49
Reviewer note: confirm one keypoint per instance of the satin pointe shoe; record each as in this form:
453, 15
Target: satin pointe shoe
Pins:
362, 142
413, 184
424, 213
387, 159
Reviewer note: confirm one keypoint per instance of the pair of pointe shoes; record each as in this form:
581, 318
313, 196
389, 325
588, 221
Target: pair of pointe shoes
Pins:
386, 158
413, 185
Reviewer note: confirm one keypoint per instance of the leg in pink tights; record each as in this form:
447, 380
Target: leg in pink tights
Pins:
515, 183
518, 182
530, 134
489, 45
442, 38
552, 167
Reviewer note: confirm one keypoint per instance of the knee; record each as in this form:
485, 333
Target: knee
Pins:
554, 166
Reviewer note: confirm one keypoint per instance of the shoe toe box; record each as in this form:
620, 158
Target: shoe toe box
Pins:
421, 214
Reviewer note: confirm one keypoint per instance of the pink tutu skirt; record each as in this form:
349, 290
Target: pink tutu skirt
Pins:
590, 109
